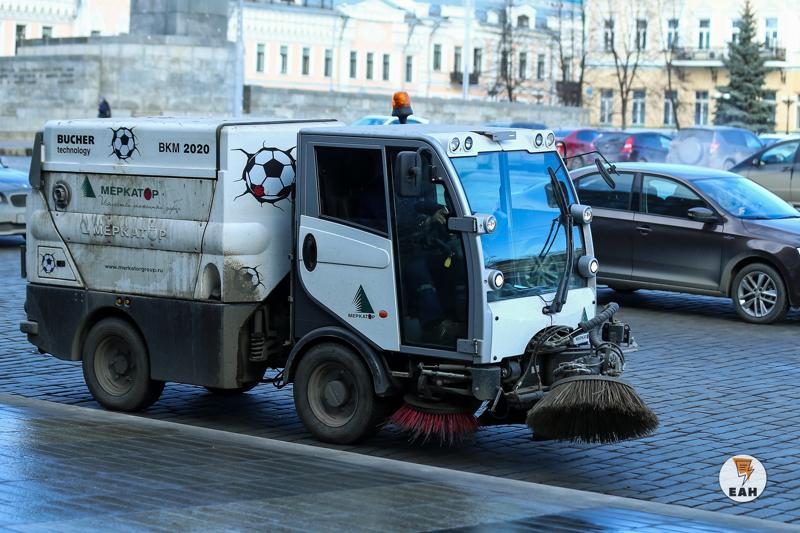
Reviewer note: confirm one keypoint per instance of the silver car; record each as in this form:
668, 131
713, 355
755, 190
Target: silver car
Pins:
13, 197
713, 146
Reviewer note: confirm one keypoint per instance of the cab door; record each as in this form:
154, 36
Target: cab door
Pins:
344, 246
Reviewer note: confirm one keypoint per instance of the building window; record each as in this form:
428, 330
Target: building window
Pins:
701, 108
259, 57
770, 98
669, 110
704, 34
20, 36
370, 65
735, 27
540, 67
328, 66
771, 37
409, 68
606, 105
457, 59
523, 21
385, 67
523, 65
351, 177
477, 60
608, 34
637, 111
672, 34
437, 57
95, 33
353, 64
641, 34
284, 59
47, 32
306, 65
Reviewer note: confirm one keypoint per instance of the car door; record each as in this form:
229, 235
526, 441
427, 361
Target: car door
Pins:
613, 224
668, 247
795, 183
773, 168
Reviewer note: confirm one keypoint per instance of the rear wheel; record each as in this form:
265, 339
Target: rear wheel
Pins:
116, 367
759, 294
334, 396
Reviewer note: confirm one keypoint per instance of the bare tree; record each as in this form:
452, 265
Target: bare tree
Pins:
570, 91
676, 75
510, 74
622, 40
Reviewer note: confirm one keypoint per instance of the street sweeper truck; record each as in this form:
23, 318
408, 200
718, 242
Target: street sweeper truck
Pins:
435, 277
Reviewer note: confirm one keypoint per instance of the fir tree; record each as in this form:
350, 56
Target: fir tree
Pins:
742, 103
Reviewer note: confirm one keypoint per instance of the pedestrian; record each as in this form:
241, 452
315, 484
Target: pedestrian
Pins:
104, 110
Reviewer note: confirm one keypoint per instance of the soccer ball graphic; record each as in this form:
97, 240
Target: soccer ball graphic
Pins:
48, 263
123, 142
269, 174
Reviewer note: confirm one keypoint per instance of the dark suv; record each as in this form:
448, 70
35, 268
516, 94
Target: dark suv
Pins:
713, 146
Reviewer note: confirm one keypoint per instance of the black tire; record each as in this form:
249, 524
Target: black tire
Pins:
116, 367
247, 387
330, 374
759, 294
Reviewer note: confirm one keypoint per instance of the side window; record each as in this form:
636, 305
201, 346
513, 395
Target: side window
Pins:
663, 196
586, 135
783, 153
352, 187
593, 191
665, 141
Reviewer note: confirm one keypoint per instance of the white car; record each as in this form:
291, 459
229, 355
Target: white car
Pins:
382, 120
14, 189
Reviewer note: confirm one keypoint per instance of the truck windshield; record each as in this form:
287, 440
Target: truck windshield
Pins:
529, 244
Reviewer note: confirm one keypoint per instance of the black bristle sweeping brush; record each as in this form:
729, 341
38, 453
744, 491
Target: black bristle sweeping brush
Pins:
424, 420
596, 409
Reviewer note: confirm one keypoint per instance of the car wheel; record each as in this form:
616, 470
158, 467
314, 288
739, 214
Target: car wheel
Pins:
728, 164
759, 294
116, 367
334, 396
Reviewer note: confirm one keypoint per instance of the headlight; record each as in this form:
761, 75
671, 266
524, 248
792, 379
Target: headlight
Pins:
588, 266
490, 224
496, 279
468, 143
581, 213
550, 139
454, 144
539, 139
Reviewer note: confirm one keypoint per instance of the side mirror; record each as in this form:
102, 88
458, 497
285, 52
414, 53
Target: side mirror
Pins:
408, 174
702, 214
605, 174
756, 162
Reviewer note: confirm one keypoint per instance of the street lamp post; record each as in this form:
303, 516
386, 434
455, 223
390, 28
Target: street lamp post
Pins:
788, 101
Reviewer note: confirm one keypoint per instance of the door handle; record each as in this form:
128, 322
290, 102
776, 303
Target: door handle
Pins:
644, 230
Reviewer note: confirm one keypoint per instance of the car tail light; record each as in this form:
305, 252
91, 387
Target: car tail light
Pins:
713, 147
627, 148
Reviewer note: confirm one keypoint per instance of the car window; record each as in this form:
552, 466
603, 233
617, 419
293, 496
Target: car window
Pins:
664, 141
351, 186
740, 138
593, 191
663, 196
587, 135
782, 153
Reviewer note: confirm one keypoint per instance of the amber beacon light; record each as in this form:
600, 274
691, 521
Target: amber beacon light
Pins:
401, 106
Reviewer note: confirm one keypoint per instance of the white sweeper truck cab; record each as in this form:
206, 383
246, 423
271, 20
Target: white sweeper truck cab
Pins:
412, 274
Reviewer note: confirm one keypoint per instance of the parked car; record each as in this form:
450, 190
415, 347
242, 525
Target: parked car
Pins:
776, 167
713, 146
577, 142
771, 138
633, 146
689, 229
382, 120
13, 197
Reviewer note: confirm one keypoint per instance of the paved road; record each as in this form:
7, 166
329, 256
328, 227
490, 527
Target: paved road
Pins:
68, 469
720, 387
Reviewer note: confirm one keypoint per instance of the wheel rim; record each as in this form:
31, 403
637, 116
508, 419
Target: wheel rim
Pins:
332, 394
114, 366
757, 294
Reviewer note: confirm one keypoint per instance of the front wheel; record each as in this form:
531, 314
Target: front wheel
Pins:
334, 396
759, 294
116, 367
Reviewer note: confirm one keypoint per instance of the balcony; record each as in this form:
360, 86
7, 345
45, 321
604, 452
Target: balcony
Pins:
700, 54
774, 53
457, 78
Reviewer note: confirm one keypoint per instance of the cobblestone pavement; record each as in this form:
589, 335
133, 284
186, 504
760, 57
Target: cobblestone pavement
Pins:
719, 386
68, 469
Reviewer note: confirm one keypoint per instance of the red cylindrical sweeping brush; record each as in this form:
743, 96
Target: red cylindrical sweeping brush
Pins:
424, 420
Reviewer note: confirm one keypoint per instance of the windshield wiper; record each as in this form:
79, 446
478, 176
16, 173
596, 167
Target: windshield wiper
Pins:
560, 297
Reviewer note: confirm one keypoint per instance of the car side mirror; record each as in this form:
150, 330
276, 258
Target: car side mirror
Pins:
702, 214
408, 173
606, 175
756, 162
